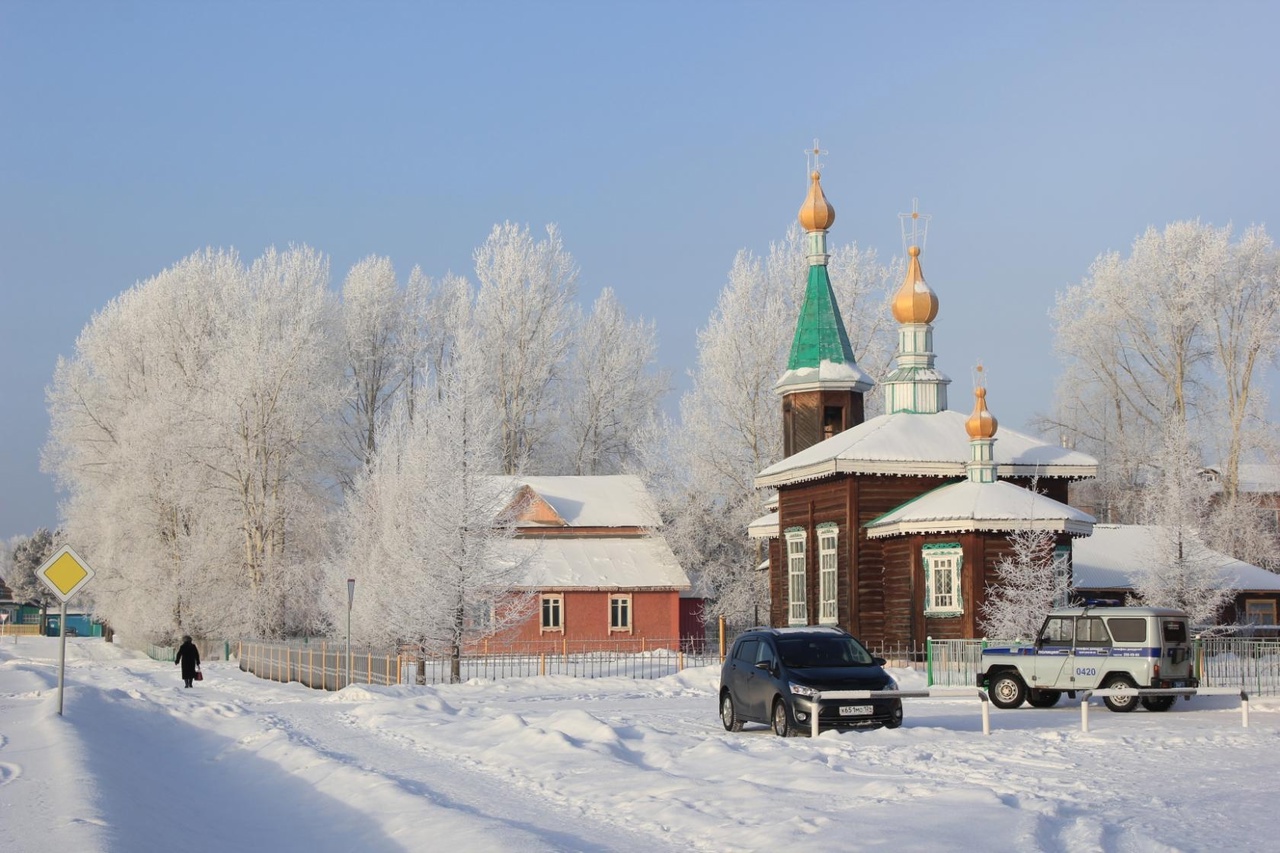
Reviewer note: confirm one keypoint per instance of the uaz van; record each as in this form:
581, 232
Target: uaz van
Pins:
1082, 648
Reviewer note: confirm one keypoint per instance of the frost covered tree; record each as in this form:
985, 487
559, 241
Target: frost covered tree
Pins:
373, 321
437, 314
26, 554
1030, 582
523, 323
427, 532
1184, 327
194, 431
611, 389
731, 422
1180, 572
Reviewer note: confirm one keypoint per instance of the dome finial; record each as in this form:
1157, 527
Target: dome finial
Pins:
914, 302
981, 424
816, 214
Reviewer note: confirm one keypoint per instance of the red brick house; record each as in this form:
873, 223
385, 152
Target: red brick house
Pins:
604, 576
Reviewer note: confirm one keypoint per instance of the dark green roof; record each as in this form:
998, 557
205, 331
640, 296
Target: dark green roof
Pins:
820, 334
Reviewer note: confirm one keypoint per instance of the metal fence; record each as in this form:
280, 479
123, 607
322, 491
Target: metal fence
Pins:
1249, 664
323, 665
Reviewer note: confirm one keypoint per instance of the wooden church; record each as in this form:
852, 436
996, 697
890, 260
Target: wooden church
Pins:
892, 527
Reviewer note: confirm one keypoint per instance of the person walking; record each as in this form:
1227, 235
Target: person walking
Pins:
189, 657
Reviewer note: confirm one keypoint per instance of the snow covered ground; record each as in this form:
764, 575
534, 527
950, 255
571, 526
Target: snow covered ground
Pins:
137, 763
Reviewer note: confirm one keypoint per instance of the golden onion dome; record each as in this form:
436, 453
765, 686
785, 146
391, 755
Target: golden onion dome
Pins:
816, 214
981, 424
914, 301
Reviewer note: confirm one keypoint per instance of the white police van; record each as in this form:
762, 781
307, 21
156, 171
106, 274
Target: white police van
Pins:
1083, 648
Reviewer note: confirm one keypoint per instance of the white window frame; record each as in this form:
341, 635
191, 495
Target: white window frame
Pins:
556, 602
796, 541
828, 573
943, 578
620, 604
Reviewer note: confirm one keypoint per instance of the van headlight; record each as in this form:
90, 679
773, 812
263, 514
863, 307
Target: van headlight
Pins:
802, 690
890, 685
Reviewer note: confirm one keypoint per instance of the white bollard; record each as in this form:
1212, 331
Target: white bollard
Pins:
1084, 711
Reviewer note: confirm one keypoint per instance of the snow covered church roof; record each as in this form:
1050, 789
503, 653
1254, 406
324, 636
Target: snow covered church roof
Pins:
971, 506
1111, 556
926, 445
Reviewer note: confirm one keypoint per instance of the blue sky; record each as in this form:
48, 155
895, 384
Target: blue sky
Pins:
662, 137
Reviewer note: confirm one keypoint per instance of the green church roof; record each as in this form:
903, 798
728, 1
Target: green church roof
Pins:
820, 334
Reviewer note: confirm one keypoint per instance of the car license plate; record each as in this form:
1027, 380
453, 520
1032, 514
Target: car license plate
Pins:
855, 710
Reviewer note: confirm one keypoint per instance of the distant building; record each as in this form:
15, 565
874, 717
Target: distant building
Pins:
1105, 563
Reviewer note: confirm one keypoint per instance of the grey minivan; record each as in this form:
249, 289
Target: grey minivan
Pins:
772, 676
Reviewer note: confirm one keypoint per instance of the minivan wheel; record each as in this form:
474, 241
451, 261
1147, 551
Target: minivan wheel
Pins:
781, 719
1120, 704
1007, 690
727, 715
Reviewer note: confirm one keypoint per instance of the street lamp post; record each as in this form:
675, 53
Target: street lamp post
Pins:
351, 594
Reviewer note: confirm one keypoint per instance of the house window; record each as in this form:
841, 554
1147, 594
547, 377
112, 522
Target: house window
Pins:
942, 579
1062, 575
552, 613
828, 535
620, 613
797, 613
1259, 611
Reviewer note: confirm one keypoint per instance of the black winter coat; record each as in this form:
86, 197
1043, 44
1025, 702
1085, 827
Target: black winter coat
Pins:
189, 657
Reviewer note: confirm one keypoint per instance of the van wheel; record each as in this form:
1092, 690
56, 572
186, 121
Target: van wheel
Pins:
727, 714
1158, 703
782, 720
1007, 690
1043, 698
1120, 704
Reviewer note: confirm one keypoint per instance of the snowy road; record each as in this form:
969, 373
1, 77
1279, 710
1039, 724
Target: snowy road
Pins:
557, 764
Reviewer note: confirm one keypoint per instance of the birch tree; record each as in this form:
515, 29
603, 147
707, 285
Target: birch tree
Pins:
373, 321
1030, 582
612, 389
428, 528
522, 323
1182, 328
1180, 572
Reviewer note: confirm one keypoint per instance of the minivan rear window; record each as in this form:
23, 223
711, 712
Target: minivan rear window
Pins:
1128, 630
1175, 630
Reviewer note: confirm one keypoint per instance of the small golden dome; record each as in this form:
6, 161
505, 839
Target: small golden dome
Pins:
816, 214
981, 424
914, 301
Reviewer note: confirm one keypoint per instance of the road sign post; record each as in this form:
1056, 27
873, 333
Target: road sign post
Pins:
65, 573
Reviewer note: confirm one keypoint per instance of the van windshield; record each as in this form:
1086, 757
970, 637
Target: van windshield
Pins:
804, 652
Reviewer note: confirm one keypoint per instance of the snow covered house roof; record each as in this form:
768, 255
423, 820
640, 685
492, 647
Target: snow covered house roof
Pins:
1109, 558
972, 506
633, 562
1257, 479
764, 527
617, 500
619, 546
927, 445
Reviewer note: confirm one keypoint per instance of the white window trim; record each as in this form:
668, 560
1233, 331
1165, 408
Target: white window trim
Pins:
943, 553
622, 629
828, 574
559, 611
797, 577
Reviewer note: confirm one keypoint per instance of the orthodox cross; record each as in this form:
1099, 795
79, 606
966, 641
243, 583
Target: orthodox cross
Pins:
811, 156
915, 226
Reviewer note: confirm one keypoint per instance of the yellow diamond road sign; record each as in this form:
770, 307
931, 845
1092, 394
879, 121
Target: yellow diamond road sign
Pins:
65, 573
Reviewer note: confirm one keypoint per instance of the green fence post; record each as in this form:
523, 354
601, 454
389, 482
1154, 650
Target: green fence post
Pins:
928, 661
